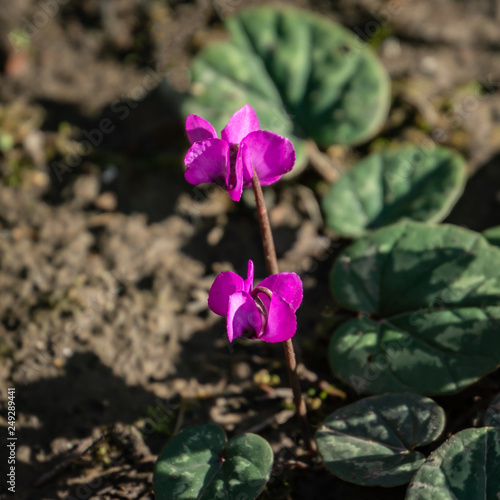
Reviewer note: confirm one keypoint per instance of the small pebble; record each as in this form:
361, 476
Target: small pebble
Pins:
86, 188
107, 202
391, 48
429, 65
24, 453
242, 370
67, 352
58, 362
215, 235
38, 179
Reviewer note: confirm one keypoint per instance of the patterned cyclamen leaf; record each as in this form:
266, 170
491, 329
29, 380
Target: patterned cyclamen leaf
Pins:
433, 294
466, 467
371, 442
198, 463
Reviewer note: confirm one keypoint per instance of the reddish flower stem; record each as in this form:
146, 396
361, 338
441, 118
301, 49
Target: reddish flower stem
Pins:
272, 268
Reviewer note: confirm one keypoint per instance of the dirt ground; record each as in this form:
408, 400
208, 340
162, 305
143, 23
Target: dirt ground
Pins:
105, 268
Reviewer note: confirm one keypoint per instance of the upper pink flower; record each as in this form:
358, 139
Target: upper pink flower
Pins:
229, 161
266, 312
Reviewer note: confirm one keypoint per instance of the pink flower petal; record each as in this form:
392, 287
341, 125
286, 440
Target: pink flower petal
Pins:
249, 281
241, 124
235, 180
246, 164
223, 286
243, 317
287, 285
281, 322
208, 161
198, 129
270, 155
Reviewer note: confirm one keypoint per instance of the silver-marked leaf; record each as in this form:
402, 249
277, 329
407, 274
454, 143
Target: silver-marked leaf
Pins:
305, 76
466, 467
435, 292
371, 442
389, 186
198, 464
492, 415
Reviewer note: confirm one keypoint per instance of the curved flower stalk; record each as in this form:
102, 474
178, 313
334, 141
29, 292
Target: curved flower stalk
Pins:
266, 312
230, 160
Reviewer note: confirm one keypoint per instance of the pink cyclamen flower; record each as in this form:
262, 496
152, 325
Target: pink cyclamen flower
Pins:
266, 312
229, 161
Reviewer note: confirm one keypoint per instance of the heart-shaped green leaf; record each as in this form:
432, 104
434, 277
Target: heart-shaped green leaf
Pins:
305, 76
371, 442
493, 235
435, 292
421, 184
466, 467
198, 464
492, 415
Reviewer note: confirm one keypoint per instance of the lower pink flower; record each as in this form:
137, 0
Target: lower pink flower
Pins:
266, 312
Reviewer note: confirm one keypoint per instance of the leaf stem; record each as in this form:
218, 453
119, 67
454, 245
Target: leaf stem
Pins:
272, 268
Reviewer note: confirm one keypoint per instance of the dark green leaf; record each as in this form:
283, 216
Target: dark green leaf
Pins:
197, 464
466, 467
372, 441
305, 76
435, 293
408, 183
492, 415
493, 235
